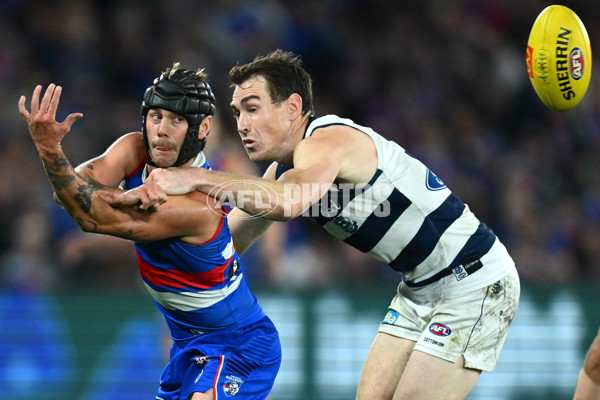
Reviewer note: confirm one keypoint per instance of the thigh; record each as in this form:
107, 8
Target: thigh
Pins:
383, 367
208, 395
427, 377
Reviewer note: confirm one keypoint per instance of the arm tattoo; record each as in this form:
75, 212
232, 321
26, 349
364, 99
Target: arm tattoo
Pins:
92, 223
84, 196
57, 163
60, 181
92, 182
62, 175
56, 168
133, 235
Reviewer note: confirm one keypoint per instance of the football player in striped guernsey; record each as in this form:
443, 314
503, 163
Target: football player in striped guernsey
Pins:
459, 288
223, 343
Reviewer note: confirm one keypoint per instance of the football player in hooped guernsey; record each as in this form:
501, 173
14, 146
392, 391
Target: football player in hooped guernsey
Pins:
459, 288
223, 343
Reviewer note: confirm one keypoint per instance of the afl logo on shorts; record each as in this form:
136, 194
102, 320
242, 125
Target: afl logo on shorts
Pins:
439, 329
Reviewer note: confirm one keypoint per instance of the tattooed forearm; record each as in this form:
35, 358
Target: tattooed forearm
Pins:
56, 163
84, 202
94, 225
57, 168
84, 196
133, 235
92, 182
60, 181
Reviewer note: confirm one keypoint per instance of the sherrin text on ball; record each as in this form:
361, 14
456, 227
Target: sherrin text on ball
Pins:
559, 58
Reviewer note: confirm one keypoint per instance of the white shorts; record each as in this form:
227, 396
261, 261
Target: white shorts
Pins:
473, 325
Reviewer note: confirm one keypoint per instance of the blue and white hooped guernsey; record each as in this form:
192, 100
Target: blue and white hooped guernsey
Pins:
197, 287
406, 217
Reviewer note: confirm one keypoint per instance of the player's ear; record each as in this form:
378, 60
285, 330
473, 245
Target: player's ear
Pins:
205, 127
294, 105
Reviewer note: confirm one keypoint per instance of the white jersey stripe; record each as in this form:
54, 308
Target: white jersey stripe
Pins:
191, 301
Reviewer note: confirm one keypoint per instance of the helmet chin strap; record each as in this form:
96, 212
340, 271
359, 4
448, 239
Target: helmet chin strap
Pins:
190, 148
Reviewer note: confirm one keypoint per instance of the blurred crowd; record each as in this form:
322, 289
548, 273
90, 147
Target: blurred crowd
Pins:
445, 79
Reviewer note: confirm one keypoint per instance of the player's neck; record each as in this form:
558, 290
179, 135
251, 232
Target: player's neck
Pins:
297, 132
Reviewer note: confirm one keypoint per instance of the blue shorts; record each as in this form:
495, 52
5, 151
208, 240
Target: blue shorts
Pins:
241, 362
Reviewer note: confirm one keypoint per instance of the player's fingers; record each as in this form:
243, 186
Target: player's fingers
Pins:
35, 99
45, 103
53, 106
144, 199
22, 109
157, 195
72, 118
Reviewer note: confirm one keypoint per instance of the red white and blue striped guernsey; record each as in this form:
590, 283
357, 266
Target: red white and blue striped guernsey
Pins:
198, 287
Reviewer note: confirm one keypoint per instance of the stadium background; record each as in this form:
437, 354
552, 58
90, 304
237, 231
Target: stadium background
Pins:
446, 79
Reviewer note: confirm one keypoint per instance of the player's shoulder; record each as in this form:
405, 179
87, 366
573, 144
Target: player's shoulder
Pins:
130, 144
131, 139
331, 126
333, 134
129, 150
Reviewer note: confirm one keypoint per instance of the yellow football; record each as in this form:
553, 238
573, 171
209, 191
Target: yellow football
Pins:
559, 58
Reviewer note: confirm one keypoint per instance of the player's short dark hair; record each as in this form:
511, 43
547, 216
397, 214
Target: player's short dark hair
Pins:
284, 75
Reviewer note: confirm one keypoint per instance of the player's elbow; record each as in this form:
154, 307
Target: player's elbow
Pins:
86, 224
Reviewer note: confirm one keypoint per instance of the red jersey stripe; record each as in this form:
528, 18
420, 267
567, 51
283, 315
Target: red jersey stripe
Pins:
139, 167
178, 279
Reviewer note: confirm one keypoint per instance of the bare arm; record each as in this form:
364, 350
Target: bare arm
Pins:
108, 170
178, 218
118, 161
246, 228
332, 154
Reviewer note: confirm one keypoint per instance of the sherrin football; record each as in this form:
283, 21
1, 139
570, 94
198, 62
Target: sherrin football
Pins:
559, 58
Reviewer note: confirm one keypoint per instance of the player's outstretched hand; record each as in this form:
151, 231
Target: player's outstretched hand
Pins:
45, 131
